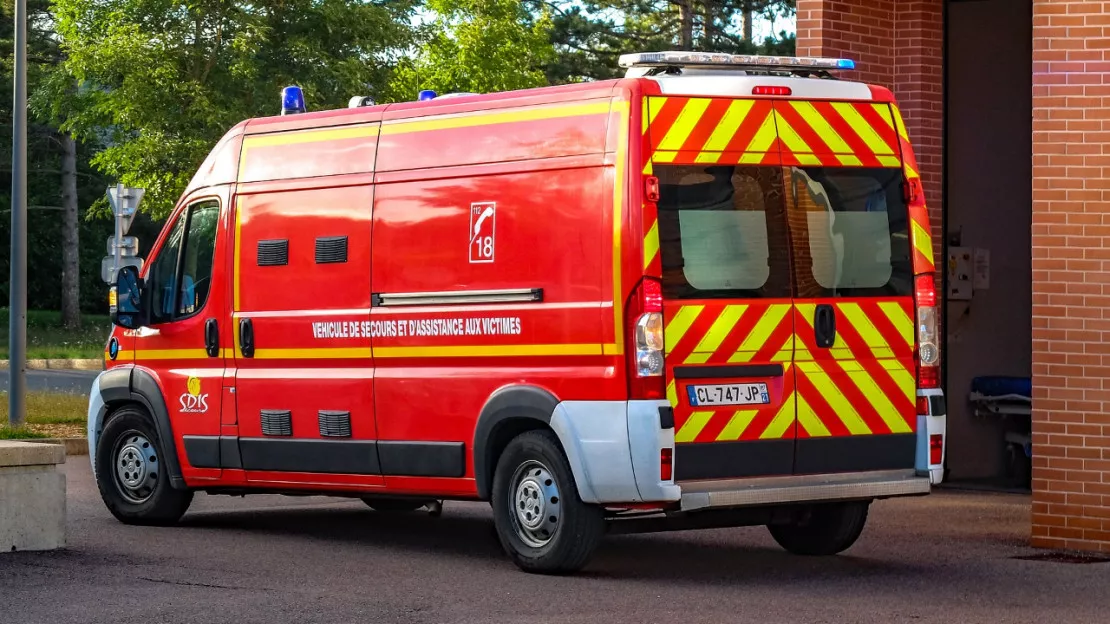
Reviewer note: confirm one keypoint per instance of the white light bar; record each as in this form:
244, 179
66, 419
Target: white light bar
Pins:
717, 59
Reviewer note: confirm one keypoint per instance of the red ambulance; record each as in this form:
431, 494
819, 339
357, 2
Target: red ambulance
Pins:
698, 296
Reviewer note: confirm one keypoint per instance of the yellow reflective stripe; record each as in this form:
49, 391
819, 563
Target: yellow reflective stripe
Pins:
487, 118
876, 397
857, 318
672, 394
308, 136
488, 350
902, 378
782, 421
684, 125
726, 129
170, 354
809, 420
313, 353
890, 161
821, 126
655, 104
736, 427
863, 128
801, 353
651, 243
922, 240
618, 222
842, 408
806, 310
848, 160
900, 124
235, 268
790, 137
693, 426
884, 111
763, 139
664, 157
719, 330
899, 319
786, 353
707, 157
763, 330
679, 325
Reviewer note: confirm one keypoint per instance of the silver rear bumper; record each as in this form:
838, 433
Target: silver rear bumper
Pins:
801, 489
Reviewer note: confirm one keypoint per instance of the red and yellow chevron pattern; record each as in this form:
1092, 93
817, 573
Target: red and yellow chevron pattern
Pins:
920, 232
863, 385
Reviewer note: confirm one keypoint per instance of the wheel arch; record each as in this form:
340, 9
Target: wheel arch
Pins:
509, 412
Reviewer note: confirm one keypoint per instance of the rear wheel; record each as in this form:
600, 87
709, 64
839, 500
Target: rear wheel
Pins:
131, 474
384, 504
827, 530
541, 522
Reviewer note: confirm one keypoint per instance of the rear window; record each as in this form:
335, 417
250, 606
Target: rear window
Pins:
851, 233
722, 232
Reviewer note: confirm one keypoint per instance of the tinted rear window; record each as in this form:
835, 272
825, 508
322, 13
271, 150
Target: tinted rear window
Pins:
722, 232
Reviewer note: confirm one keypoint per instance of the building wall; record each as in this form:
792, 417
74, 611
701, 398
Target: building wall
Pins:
1071, 274
989, 207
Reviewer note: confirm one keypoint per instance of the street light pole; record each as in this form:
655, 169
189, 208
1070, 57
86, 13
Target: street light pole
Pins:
17, 308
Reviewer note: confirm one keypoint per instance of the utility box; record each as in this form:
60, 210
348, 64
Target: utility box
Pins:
961, 264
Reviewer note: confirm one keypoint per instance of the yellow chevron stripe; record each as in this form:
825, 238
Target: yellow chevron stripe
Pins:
736, 427
786, 353
716, 334
707, 157
801, 353
672, 394
903, 378
841, 353
790, 137
808, 419
783, 419
693, 426
679, 325
857, 318
645, 114
729, 124
921, 240
821, 126
890, 161
762, 331
875, 396
664, 157
842, 408
655, 104
651, 243
862, 128
884, 111
901, 321
763, 140
691, 113
647, 167
900, 124
847, 160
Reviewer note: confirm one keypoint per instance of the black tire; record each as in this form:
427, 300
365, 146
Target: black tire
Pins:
152, 501
827, 530
535, 462
393, 504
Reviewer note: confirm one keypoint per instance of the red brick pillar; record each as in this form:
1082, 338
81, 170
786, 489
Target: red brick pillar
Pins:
1071, 275
897, 44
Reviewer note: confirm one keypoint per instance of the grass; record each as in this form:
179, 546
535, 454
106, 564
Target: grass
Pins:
49, 415
47, 339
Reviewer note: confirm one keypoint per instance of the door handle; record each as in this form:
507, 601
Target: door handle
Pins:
212, 337
824, 326
246, 337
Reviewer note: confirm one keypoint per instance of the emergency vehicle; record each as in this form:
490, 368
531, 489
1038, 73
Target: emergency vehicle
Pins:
697, 296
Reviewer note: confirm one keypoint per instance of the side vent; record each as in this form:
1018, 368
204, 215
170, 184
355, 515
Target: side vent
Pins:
273, 252
331, 249
277, 423
335, 424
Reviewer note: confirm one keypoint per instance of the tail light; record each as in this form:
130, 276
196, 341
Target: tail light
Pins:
928, 345
936, 448
666, 464
922, 406
771, 90
645, 335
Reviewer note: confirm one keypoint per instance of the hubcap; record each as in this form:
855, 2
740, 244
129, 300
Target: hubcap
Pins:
536, 503
136, 467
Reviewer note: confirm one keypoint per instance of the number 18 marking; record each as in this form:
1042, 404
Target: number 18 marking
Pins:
483, 216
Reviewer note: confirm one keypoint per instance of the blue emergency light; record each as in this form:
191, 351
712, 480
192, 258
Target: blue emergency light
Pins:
845, 64
426, 94
292, 101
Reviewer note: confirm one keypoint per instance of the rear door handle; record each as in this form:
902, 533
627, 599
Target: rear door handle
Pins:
212, 337
824, 326
246, 337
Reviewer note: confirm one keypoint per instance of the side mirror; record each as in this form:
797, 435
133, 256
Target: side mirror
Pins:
126, 299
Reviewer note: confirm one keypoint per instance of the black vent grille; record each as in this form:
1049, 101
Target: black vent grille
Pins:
277, 423
335, 424
273, 252
331, 249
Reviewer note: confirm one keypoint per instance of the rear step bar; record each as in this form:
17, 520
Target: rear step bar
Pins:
801, 489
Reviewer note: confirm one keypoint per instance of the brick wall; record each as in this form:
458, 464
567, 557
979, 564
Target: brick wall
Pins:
1071, 275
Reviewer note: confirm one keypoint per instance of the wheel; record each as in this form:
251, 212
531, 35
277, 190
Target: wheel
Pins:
828, 530
392, 504
130, 475
541, 522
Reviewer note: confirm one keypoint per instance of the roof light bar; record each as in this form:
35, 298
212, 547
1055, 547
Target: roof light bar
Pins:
656, 59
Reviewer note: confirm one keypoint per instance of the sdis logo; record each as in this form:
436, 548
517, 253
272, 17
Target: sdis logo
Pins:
193, 402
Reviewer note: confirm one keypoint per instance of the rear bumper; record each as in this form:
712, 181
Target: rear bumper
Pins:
698, 495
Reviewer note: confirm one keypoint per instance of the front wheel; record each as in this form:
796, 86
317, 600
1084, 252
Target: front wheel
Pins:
541, 522
829, 529
131, 473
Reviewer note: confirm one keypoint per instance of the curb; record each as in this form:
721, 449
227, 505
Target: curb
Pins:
59, 364
73, 446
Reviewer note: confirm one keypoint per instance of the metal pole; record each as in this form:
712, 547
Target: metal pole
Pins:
17, 308
119, 229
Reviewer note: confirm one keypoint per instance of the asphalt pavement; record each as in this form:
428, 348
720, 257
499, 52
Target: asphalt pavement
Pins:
946, 558
67, 381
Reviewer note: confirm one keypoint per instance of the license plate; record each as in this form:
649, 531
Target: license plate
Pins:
728, 394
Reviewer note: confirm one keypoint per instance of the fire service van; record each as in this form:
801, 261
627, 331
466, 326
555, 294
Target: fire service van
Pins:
698, 296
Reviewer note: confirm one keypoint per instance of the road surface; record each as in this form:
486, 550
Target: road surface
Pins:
947, 558
68, 381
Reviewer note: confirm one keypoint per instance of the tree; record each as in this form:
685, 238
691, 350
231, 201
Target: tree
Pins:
158, 82
478, 46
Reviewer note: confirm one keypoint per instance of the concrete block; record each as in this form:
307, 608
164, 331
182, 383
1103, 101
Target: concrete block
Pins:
32, 496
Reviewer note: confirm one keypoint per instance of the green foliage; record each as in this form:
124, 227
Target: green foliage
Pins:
160, 81
47, 338
478, 46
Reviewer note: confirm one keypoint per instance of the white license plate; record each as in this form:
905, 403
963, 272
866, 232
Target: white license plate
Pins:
728, 394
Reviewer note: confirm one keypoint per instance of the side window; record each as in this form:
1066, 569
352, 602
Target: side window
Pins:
181, 276
722, 232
